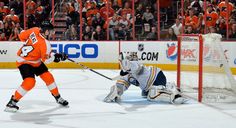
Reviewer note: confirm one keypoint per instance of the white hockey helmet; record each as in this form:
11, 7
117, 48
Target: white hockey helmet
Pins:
131, 56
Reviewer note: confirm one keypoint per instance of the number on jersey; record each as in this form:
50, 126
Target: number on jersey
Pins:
26, 50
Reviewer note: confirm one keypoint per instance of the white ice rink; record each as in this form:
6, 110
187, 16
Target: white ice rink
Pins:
85, 92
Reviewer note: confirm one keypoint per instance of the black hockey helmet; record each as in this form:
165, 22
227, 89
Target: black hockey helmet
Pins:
46, 25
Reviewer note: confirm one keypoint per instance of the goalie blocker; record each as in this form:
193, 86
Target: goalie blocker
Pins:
151, 81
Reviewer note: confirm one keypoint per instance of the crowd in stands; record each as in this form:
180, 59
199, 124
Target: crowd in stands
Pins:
212, 16
12, 16
113, 19
11, 13
199, 16
97, 22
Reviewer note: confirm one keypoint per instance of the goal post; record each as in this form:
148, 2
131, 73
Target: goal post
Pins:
202, 69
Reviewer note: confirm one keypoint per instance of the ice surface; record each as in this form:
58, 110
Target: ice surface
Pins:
85, 92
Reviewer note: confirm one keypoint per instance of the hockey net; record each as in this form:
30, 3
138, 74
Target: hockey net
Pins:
203, 72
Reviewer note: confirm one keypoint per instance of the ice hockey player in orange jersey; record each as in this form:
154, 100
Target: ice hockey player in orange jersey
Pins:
30, 61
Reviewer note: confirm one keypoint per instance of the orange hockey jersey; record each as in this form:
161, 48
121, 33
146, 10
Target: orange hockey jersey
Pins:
35, 50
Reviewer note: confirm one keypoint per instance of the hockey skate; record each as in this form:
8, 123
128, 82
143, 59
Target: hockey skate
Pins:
144, 93
61, 101
178, 99
11, 106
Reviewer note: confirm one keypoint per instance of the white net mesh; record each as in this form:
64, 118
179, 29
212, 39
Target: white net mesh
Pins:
218, 83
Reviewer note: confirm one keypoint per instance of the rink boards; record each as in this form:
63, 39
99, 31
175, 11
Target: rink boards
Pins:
104, 54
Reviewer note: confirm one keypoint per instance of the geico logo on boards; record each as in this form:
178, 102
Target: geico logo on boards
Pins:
152, 56
77, 50
3, 52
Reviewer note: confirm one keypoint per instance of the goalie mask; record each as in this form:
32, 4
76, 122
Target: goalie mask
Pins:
131, 56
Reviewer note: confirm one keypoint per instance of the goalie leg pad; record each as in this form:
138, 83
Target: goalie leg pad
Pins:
169, 92
114, 95
156, 92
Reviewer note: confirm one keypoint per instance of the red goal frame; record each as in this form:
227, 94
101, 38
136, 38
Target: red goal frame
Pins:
200, 66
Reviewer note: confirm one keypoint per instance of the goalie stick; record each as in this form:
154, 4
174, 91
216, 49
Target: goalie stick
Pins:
85, 67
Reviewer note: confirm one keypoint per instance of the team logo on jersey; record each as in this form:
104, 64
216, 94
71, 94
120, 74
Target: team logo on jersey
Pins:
171, 52
140, 47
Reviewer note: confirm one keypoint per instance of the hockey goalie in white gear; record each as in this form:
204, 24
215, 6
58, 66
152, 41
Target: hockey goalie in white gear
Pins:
151, 80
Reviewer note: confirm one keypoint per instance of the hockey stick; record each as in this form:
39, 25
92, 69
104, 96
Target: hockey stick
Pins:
85, 67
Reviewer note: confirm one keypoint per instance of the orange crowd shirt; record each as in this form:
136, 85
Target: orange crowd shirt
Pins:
192, 21
223, 8
211, 19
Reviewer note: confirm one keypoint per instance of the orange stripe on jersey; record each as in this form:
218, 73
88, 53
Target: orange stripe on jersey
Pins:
26, 86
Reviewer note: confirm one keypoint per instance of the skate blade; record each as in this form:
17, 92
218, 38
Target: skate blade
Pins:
63, 106
12, 110
180, 101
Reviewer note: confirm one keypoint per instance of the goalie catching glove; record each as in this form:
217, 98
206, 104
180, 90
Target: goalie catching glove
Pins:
60, 57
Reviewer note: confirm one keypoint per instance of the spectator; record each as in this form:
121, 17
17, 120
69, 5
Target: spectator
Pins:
31, 21
126, 10
71, 33
98, 21
14, 35
1, 25
74, 16
224, 9
148, 16
116, 7
177, 27
18, 27
221, 23
197, 6
7, 30
87, 34
98, 34
125, 24
30, 6
121, 33
103, 11
18, 6
39, 15
211, 16
233, 32
212, 29
171, 35
152, 35
189, 30
91, 12
191, 20
2, 36
139, 14
113, 26
12, 16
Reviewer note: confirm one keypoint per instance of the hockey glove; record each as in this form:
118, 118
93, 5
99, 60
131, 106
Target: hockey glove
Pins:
60, 57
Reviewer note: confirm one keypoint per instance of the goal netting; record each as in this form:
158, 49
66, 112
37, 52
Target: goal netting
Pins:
203, 72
